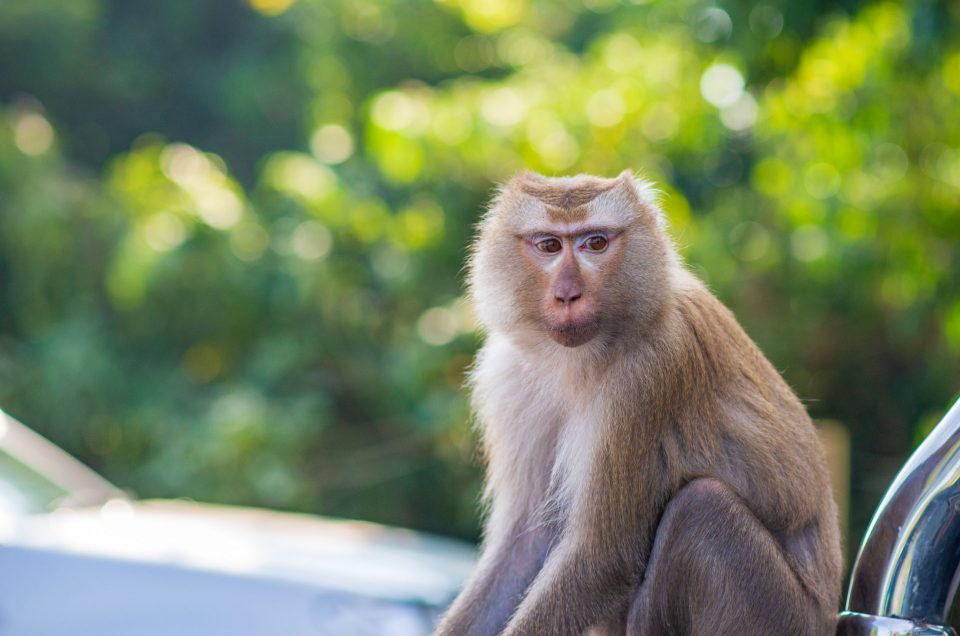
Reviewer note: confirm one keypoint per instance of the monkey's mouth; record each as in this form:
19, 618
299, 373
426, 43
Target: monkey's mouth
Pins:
574, 333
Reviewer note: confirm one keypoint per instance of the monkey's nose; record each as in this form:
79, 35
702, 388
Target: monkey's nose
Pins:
567, 296
567, 286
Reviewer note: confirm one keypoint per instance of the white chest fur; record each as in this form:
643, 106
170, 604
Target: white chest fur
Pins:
539, 425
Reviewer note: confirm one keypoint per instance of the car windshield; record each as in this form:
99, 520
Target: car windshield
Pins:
24, 490
36, 476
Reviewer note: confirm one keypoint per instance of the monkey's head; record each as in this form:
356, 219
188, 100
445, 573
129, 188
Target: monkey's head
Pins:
571, 258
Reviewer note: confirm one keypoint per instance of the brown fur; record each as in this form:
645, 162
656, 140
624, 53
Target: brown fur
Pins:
659, 477
569, 198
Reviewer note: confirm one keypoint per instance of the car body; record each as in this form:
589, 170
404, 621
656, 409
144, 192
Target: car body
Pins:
79, 556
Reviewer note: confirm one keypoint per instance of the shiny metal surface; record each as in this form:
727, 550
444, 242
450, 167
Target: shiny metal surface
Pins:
854, 624
908, 564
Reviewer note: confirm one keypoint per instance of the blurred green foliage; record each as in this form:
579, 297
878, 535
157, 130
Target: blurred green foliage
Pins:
231, 234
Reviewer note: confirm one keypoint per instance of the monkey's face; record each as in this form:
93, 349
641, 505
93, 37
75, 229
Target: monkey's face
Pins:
569, 262
569, 258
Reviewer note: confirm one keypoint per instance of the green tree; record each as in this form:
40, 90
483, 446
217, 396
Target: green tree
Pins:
231, 235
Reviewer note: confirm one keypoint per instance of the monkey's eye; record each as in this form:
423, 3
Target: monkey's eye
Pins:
596, 243
549, 245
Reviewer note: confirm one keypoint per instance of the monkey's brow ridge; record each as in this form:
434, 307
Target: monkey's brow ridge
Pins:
567, 197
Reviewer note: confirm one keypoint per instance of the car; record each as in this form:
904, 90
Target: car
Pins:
904, 578
80, 556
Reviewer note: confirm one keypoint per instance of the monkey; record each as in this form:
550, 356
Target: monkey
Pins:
648, 471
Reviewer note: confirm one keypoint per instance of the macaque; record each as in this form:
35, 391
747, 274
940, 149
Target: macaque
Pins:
647, 470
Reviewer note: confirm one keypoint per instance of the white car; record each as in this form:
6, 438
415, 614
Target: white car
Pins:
78, 556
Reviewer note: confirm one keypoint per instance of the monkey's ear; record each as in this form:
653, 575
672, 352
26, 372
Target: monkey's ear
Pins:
510, 194
646, 197
640, 187
513, 186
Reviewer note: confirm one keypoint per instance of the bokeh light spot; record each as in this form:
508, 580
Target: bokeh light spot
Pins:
420, 224
721, 85
395, 110
164, 231
898, 289
249, 241
332, 144
601, 6
519, 46
474, 53
605, 108
622, 53
765, 21
184, 165
660, 122
367, 21
559, 150
749, 241
202, 363
713, 24
951, 73
492, 15
452, 124
32, 134
808, 243
400, 159
311, 241
772, 176
218, 206
437, 326
741, 114
502, 107
271, 7
951, 327
300, 175
890, 161
390, 262
821, 180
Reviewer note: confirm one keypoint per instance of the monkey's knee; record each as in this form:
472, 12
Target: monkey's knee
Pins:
679, 558
703, 503
715, 569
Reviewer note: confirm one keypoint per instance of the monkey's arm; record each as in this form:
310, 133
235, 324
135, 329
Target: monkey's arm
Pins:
581, 584
601, 555
505, 571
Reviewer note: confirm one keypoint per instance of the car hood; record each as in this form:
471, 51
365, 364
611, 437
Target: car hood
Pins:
350, 556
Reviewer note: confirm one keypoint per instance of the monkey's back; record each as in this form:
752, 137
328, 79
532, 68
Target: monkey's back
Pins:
740, 422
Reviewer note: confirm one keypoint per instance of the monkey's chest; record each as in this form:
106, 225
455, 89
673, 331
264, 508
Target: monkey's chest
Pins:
539, 429
573, 456
540, 453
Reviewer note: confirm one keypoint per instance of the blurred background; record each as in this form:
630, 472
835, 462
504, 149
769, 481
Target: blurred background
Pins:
232, 233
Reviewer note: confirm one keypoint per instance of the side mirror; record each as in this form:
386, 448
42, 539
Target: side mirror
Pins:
906, 573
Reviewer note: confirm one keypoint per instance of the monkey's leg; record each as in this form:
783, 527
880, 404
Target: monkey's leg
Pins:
716, 570
496, 587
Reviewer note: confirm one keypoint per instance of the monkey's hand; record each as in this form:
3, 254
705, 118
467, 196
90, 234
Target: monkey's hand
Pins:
506, 569
581, 584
